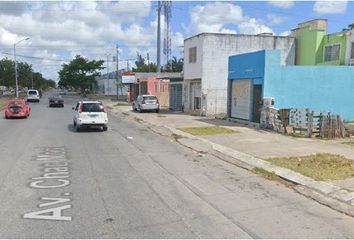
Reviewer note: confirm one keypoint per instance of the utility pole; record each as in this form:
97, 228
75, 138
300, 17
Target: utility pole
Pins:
158, 70
117, 70
25, 39
108, 74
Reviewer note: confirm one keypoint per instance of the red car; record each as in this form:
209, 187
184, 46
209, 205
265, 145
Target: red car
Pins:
17, 108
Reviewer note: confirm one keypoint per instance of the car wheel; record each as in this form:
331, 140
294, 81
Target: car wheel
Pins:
105, 128
157, 110
139, 110
77, 127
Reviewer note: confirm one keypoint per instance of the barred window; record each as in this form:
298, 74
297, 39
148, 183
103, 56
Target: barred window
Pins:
332, 53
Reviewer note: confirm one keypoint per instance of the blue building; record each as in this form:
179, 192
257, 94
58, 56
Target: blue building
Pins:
253, 76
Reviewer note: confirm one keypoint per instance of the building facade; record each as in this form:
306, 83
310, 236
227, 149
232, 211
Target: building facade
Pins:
256, 75
205, 66
316, 47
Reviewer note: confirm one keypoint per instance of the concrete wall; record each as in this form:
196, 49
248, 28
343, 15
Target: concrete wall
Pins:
193, 70
327, 88
212, 63
350, 40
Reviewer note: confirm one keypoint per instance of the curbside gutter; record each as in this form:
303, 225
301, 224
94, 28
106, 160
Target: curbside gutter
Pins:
325, 193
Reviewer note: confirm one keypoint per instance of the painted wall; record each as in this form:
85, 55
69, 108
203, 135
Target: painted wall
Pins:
350, 40
215, 50
193, 70
331, 39
309, 46
327, 88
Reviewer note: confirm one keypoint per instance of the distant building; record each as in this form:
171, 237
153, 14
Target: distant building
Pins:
206, 66
107, 85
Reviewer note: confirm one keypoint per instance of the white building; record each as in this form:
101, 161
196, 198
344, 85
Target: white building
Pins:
108, 85
349, 56
206, 66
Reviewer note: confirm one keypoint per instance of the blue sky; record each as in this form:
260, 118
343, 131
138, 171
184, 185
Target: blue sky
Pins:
60, 30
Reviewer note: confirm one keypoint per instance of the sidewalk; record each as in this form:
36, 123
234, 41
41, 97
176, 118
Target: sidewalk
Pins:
249, 146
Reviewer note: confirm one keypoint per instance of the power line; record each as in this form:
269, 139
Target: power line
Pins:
37, 58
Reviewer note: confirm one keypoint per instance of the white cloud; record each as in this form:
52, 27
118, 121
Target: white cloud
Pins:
65, 29
330, 7
213, 16
252, 26
275, 19
286, 33
282, 4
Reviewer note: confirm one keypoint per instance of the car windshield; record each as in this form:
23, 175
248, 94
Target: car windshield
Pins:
150, 98
15, 105
32, 92
92, 107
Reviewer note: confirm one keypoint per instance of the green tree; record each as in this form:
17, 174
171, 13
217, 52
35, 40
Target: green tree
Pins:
80, 73
175, 65
7, 72
141, 65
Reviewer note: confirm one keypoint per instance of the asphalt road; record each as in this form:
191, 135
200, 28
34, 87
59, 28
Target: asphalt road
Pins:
132, 183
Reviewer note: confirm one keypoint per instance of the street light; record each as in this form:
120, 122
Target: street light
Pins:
25, 39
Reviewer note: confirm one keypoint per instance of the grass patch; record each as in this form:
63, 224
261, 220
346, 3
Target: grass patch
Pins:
320, 167
351, 143
3, 103
265, 173
199, 131
121, 104
161, 116
125, 113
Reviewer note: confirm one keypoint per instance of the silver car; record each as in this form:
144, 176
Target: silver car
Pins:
146, 103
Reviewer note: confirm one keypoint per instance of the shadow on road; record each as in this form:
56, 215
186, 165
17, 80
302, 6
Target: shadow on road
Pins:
71, 128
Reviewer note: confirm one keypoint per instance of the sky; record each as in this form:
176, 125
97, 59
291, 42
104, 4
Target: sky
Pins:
60, 30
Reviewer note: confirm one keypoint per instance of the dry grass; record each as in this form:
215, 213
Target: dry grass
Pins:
201, 131
320, 167
3, 101
351, 143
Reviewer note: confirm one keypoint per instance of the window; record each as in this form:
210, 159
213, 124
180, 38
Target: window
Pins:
332, 53
196, 103
193, 54
352, 52
92, 107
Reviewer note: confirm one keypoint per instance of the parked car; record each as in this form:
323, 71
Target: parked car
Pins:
146, 103
62, 92
33, 95
90, 114
17, 108
56, 101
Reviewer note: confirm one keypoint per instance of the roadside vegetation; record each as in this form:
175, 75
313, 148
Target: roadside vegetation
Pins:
202, 131
3, 101
320, 167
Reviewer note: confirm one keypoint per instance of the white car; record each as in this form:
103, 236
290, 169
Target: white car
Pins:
146, 103
33, 95
90, 114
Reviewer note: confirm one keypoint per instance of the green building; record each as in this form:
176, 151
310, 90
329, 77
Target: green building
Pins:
316, 47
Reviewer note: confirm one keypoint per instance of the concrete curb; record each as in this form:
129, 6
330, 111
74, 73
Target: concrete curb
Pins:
325, 193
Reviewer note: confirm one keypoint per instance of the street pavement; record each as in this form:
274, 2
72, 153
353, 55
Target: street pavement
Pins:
131, 182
